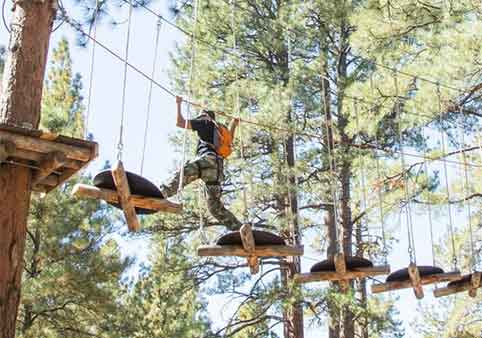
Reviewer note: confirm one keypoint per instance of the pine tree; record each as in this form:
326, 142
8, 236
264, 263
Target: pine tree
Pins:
282, 50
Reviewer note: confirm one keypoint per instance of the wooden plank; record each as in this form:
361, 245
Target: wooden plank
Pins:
416, 281
39, 134
261, 251
48, 165
405, 284
467, 285
83, 190
122, 185
335, 276
45, 146
7, 149
452, 289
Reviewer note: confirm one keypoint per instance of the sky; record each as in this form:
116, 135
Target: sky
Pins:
104, 124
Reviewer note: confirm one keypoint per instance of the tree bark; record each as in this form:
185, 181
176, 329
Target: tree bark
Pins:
20, 105
295, 325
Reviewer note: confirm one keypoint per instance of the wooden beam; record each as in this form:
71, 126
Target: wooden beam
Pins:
123, 190
48, 165
151, 203
406, 284
7, 149
348, 275
416, 281
261, 251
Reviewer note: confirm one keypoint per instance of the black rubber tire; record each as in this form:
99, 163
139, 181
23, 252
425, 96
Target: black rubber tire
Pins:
137, 184
351, 262
424, 270
260, 238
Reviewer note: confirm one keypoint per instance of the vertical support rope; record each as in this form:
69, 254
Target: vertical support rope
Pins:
429, 205
376, 153
465, 191
120, 145
332, 165
364, 197
149, 95
380, 203
91, 71
237, 112
191, 91
411, 242
444, 152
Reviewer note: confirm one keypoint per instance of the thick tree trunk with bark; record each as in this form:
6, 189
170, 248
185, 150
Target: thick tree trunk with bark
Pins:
20, 105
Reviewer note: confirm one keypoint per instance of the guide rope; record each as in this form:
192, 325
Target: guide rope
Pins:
120, 144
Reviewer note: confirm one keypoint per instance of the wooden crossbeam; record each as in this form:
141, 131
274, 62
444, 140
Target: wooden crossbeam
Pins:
151, 203
122, 185
424, 280
348, 275
249, 245
470, 285
48, 165
260, 251
416, 281
7, 149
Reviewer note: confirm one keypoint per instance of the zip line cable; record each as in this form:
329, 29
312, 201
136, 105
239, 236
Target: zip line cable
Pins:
391, 68
77, 27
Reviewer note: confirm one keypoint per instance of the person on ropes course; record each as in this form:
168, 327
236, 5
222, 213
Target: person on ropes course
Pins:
214, 145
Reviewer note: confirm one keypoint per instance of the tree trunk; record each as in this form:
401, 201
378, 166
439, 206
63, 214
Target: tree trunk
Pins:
362, 284
294, 327
330, 221
20, 105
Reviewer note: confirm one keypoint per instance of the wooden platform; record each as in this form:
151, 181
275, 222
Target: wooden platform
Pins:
250, 250
468, 283
342, 273
415, 281
53, 158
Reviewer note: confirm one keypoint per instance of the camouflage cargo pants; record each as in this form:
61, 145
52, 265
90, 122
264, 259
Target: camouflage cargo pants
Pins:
210, 170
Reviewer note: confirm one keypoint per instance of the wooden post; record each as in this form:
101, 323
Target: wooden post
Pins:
20, 104
340, 267
474, 283
249, 245
124, 192
416, 281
